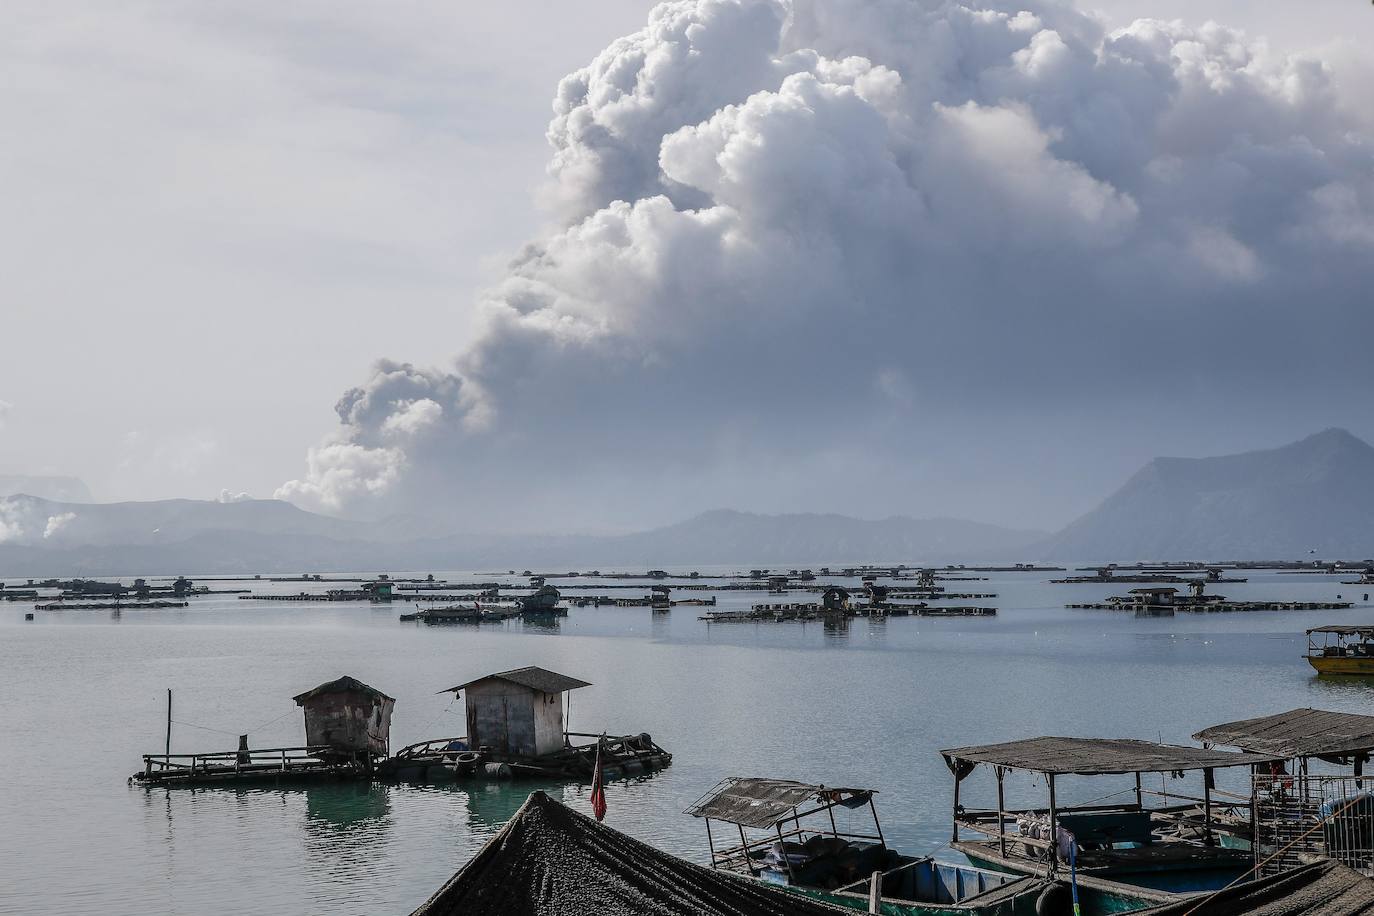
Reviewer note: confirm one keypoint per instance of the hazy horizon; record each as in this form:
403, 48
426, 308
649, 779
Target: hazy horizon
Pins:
873, 258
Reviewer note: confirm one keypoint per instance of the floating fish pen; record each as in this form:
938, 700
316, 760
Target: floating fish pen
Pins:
480, 614
347, 728
516, 728
1162, 602
1211, 606
608, 601
780, 613
110, 605
923, 595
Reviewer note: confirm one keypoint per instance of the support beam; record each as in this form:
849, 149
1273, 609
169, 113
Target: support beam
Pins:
1207, 780
955, 835
1001, 812
1139, 794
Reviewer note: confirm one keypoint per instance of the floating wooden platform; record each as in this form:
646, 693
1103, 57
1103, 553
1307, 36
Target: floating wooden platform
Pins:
448, 760
271, 765
110, 605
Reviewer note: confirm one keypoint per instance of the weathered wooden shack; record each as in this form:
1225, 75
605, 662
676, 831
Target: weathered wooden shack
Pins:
518, 712
349, 716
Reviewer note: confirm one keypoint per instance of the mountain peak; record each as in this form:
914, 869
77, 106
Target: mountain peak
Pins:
1316, 494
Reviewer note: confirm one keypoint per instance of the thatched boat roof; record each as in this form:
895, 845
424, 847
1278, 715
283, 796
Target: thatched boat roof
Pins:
1319, 889
552, 861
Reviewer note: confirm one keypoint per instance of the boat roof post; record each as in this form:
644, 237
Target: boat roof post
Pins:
1207, 780
782, 847
744, 851
710, 842
879, 827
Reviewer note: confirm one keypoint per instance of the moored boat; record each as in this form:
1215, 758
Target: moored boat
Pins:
1344, 650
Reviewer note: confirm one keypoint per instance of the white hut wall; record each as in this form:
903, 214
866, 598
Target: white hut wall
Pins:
548, 722
501, 716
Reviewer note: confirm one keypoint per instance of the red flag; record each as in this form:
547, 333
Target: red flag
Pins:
598, 790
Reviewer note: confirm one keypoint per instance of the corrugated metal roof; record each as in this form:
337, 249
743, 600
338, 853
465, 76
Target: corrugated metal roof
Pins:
1099, 756
552, 861
757, 802
343, 684
533, 677
1297, 733
1345, 630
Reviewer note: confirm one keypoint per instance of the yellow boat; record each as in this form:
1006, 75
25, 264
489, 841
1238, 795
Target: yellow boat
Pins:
1342, 650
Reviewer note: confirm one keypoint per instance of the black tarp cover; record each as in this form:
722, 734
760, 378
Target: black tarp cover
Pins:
552, 861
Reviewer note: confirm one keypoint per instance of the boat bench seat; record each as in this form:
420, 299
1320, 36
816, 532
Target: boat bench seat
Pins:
1102, 829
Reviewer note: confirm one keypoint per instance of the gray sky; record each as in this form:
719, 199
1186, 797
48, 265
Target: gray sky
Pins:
215, 224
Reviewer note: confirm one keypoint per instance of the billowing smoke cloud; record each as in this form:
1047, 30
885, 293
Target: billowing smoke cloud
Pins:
808, 243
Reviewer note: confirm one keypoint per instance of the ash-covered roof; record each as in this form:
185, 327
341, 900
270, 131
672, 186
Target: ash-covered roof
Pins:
343, 684
1098, 756
1319, 889
1297, 733
756, 802
552, 861
533, 677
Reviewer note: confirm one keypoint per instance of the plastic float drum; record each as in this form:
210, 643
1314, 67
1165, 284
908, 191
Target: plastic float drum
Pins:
496, 770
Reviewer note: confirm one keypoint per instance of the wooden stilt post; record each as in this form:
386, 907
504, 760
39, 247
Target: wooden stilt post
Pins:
1139, 794
875, 892
1054, 824
1207, 807
167, 751
1001, 813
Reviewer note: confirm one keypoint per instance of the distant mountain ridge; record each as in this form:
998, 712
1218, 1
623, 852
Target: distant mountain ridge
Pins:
1312, 496
42, 537
62, 489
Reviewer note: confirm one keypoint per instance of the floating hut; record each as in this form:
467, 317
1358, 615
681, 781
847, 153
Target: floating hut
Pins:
517, 712
516, 724
348, 717
348, 731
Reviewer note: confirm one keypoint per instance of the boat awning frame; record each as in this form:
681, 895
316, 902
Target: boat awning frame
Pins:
1054, 756
765, 803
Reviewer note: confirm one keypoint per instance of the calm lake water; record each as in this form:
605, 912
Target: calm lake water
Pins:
868, 704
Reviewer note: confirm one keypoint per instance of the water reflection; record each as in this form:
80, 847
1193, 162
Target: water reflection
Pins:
341, 806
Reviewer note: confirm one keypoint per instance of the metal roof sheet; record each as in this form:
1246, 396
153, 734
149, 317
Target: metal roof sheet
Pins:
1346, 630
533, 677
343, 684
758, 802
1099, 756
1297, 733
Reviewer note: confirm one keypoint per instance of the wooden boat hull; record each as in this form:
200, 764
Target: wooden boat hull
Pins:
1338, 664
1157, 882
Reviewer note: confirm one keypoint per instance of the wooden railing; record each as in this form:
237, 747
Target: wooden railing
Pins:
262, 759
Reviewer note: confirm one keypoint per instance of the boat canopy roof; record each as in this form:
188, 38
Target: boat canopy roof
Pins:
1344, 630
757, 802
1094, 757
1319, 889
552, 861
1297, 733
